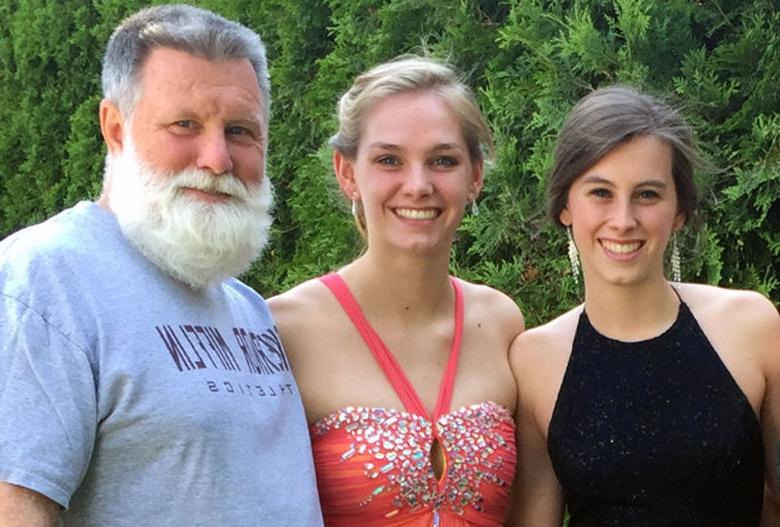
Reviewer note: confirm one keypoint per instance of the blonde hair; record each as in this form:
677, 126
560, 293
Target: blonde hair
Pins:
409, 73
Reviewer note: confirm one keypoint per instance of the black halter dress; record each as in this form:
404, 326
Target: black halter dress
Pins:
655, 433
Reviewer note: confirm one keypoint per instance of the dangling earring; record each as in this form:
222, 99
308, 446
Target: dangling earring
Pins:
354, 207
675, 260
474, 207
573, 256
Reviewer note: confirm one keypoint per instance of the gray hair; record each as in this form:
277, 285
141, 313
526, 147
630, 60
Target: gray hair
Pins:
184, 28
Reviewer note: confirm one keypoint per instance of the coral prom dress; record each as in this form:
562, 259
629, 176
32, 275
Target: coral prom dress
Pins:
374, 465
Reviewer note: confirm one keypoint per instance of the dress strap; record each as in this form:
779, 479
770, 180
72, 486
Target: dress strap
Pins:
384, 357
444, 399
677, 293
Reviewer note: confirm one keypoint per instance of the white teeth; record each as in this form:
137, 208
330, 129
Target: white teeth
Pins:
621, 248
417, 214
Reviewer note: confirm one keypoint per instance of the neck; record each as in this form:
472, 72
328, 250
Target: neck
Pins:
102, 201
402, 286
631, 313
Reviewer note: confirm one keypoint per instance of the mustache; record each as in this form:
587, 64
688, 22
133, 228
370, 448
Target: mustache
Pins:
195, 241
203, 180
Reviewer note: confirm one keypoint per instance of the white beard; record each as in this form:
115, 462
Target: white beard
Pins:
196, 242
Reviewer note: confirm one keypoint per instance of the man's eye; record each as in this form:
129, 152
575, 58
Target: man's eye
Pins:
237, 130
184, 127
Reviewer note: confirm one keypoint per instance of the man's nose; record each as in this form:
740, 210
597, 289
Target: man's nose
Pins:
214, 154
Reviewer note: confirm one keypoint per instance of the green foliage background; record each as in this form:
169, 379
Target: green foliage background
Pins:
528, 61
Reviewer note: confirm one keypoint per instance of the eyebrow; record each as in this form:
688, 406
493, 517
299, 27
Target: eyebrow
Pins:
436, 147
384, 146
190, 114
448, 146
256, 124
598, 180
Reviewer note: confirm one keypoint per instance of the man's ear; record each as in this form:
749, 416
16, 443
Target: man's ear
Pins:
345, 175
112, 126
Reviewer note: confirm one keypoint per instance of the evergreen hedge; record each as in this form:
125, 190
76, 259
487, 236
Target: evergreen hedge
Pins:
528, 61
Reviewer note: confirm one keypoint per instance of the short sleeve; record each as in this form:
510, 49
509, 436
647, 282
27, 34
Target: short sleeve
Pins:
47, 404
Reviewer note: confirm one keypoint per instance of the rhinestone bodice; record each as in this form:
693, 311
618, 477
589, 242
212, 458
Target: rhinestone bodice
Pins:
374, 467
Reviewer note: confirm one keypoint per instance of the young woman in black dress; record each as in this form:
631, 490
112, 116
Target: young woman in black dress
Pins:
654, 402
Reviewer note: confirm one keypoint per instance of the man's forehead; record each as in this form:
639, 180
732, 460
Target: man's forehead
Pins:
175, 65
175, 78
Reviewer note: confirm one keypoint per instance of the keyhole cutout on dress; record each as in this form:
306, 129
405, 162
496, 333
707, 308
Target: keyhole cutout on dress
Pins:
438, 459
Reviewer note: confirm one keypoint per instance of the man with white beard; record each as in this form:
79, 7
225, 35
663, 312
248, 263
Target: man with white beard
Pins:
141, 384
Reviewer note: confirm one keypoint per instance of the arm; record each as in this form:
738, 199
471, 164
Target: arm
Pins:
769, 343
770, 514
284, 312
47, 415
745, 326
20, 507
537, 497
300, 331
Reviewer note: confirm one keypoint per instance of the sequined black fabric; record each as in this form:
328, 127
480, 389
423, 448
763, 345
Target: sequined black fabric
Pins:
655, 433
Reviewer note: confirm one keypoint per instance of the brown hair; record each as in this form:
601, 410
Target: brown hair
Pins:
609, 117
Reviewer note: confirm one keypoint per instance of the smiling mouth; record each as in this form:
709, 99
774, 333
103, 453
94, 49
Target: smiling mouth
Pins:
417, 214
621, 248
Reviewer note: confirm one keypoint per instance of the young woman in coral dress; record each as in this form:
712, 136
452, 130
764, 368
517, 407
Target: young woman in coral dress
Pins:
403, 368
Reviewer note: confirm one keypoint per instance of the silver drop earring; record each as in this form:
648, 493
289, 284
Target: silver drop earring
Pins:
354, 207
675, 260
474, 207
574, 256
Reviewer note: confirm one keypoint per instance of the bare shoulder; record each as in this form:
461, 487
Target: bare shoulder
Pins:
731, 307
302, 307
547, 346
746, 319
298, 301
492, 303
723, 297
538, 359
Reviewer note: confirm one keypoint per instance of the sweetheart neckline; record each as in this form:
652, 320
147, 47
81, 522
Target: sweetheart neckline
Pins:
463, 408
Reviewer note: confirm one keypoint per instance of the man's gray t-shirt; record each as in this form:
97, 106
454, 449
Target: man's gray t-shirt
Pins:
131, 399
